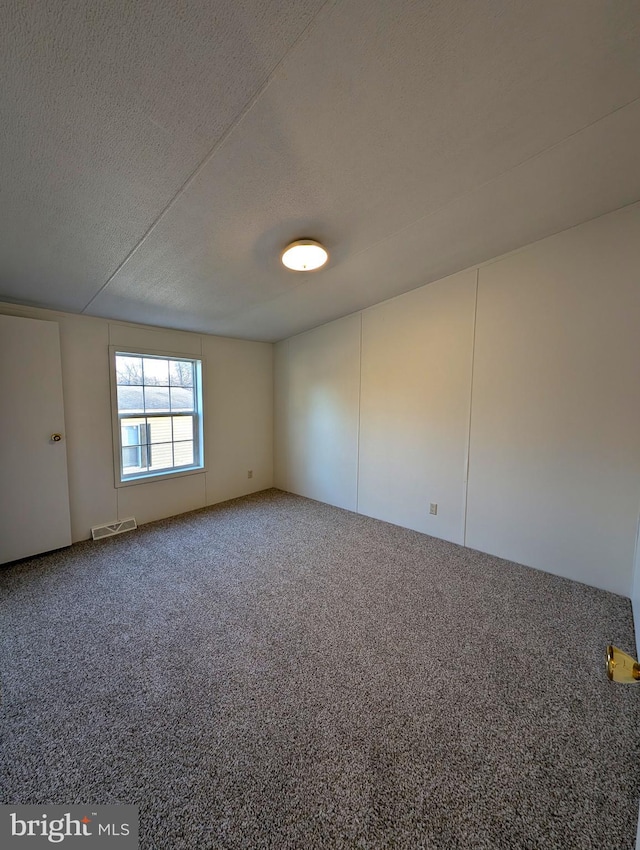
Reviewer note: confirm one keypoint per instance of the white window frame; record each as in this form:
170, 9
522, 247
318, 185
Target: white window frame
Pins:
161, 475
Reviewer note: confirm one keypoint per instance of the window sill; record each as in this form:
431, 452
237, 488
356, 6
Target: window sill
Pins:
160, 476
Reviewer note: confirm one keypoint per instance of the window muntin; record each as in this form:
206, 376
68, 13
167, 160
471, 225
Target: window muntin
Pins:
158, 401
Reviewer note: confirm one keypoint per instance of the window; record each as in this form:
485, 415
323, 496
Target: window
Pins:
157, 401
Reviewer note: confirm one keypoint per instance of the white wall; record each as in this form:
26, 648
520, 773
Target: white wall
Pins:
283, 422
635, 605
549, 371
554, 479
414, 407
238, 426
635, 593
317, 388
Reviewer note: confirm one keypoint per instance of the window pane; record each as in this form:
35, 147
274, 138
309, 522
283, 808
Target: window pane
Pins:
130, 400
183, 427
156, 372
134, 460
130, 432
159, 414
181, 373
183, 453
161, 456
159, 429
182, 398
128, 369
156, 399
130, 457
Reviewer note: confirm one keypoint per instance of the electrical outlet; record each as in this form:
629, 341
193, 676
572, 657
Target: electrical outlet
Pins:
250, 473
433, 508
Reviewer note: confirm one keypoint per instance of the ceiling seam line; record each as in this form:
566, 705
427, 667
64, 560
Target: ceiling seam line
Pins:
480, 265
213, 151
502, 174
444, 206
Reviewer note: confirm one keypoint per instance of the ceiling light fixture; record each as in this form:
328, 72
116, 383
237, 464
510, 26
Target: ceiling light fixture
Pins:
305, 255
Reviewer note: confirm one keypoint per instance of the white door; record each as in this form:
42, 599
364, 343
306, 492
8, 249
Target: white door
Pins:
34, 492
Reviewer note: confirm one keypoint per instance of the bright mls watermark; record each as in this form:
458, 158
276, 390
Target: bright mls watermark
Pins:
89, 826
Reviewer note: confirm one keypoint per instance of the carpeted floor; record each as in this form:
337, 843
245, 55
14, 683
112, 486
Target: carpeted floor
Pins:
276, 673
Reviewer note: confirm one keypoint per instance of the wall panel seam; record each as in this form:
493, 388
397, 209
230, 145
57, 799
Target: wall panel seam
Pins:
359, 421
473, 359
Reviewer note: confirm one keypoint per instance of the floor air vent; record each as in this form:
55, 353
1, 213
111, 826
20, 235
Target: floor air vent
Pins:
100, 531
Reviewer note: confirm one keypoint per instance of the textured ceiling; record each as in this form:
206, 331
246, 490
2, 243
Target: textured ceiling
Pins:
155, 157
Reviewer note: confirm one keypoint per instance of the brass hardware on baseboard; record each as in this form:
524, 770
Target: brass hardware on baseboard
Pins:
622, 667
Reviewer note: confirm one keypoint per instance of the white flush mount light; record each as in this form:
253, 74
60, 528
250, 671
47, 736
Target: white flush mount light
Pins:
305, 255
